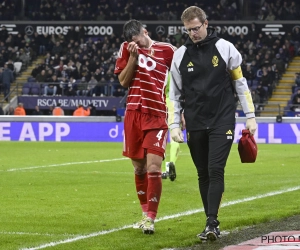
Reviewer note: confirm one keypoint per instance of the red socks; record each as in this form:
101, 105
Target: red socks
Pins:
153, 193
141, 184
149, 188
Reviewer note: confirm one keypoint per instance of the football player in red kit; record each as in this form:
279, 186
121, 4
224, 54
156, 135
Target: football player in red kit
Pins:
142, 66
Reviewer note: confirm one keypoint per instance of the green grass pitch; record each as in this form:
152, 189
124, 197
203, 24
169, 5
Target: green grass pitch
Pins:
82, 196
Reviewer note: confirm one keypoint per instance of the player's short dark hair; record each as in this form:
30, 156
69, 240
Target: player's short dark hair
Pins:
132, 28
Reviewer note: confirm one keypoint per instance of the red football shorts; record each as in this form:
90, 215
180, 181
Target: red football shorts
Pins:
144, 133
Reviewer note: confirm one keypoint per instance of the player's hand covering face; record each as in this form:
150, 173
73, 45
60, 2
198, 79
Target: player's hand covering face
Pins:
133, 49
140, 41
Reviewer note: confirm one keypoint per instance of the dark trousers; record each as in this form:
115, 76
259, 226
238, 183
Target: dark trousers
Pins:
6, 89
209, 150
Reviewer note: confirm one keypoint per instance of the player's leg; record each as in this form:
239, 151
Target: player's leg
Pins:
154, 190
198, 145
174, 151
132, 148
154, 143
141, 185
169, 166
220, 142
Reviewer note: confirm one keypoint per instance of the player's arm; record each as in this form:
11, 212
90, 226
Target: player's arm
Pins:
234, 60
126, 75
175, 92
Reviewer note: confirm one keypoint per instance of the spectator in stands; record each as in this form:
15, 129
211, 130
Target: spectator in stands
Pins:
119, 91
19, 110
262, 93
80, 111
72, 34
267, 81
297, 82
249, 74
284, 55
53, 87
24, 58
59, 68
6, 78
58, 111
296, 101
280, 65
250, 56
3, 33
93, 110
71, 87
64, 72
101, 87
72, 70
37, 111
10, 110
84, 72
10, 65
57, 49
270, 16
82, 87
2, 46
111, 86
41, 77
91, 91
49, 73
266, 61
296, 39
256, 99
99, 73
29, 51
47, 59
290, 47
36, 70
13, 54
49, 111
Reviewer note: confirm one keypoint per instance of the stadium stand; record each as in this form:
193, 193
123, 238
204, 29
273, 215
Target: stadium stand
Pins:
90, 60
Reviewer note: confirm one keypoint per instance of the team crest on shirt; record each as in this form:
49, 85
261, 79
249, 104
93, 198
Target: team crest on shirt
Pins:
151, 52
215, 61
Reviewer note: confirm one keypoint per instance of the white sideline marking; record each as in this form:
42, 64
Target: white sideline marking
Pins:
39, 234
68, 164
226, 204
65, 164
86, 172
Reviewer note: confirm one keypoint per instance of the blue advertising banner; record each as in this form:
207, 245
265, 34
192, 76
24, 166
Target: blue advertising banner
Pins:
281, 133
44, 102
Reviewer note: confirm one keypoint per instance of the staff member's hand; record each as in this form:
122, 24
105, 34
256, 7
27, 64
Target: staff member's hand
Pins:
177, 135
251, 125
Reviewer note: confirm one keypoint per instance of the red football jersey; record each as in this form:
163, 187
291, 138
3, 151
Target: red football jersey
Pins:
146, 92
